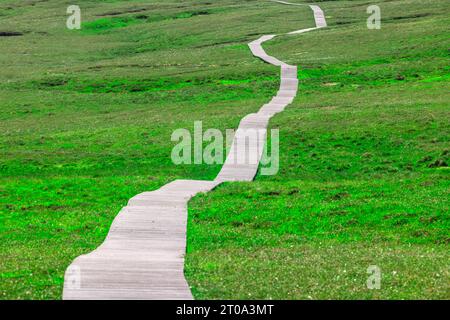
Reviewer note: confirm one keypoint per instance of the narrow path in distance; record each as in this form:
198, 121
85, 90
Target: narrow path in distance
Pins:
142, 256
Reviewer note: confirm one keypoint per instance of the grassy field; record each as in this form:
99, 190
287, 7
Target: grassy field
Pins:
87, 118
363, 171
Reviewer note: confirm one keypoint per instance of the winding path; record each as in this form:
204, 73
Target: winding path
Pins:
142, 256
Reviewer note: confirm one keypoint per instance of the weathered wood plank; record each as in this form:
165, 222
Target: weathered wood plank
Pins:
142, 256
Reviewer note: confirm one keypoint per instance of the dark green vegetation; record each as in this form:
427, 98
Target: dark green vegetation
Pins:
87, 117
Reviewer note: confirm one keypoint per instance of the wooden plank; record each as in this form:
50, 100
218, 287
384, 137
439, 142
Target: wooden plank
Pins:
142, 256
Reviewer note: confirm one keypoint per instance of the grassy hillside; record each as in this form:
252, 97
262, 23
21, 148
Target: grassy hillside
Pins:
87, 118
87, 115
363, 175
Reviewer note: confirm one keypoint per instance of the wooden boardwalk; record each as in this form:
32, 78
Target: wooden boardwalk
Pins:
142, 256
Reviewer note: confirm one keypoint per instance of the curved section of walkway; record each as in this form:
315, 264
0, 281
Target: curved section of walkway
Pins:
142, 256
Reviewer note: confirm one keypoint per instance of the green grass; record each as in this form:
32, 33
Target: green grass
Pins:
363, 174
87, 117
101, 25
105, 24
324, 270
